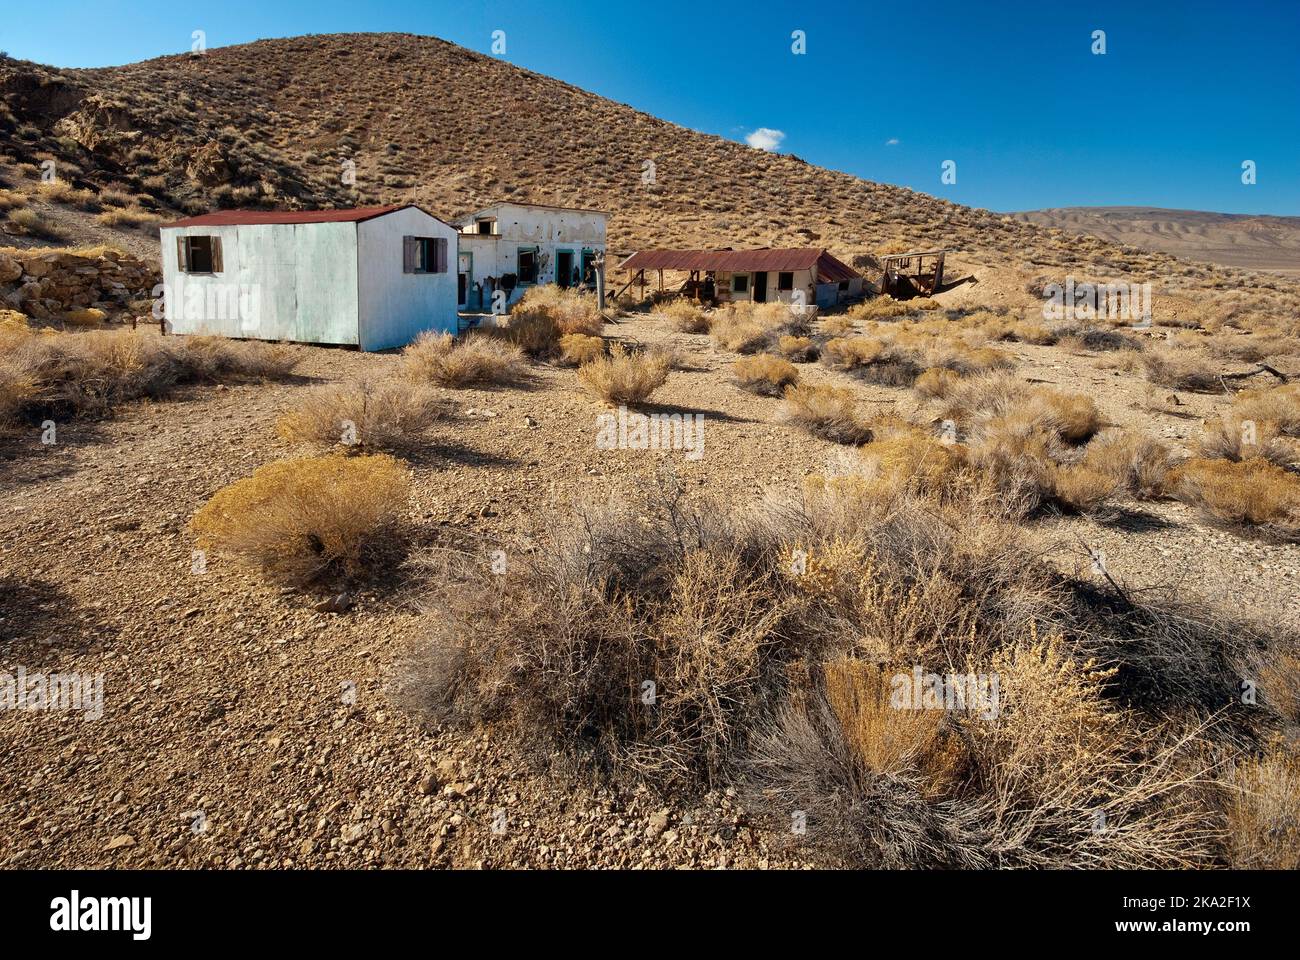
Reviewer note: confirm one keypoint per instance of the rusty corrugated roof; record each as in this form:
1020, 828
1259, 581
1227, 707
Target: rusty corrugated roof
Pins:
229, 218
829, 269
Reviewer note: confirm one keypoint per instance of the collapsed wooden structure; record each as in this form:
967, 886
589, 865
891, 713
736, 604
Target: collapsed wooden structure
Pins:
905, 275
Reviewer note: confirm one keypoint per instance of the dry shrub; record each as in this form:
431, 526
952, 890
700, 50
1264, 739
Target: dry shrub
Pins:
765, 374
747, 327
936, 383
1094, 339
578, 348
776, 639
838, 326
623, 377
898, 357
1140, 464
130, 217
797, 349
307, 521
899, 461
886, 740
1253, 493
882, 308
476, 360
1261, 423
30, 223
1182, 370
828, 412
687, 316
388, 415
1080, 488
85, 317
61, 191
91, 372
10, 200
1264, 813
546, 314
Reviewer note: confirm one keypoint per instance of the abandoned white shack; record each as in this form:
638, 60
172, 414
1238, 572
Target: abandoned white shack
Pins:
514, 246
373, 277
799, 275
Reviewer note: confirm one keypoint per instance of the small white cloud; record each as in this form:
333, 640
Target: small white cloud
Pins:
765, 138
892, 142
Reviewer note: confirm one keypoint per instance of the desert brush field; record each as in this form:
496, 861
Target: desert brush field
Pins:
470, 632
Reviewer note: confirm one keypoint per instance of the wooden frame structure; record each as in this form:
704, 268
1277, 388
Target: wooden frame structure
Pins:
907, 274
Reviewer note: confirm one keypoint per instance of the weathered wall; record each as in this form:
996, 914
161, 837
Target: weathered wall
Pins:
551, 230
396, 307
278, 282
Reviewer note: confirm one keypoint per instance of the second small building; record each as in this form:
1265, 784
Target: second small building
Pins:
372, 277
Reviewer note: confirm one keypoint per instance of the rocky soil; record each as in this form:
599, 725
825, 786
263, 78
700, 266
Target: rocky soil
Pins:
245, 726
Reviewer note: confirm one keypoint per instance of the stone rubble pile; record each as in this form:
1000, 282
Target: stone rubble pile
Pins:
48, 285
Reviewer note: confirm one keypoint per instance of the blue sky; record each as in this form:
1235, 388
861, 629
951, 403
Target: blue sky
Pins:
1011, 92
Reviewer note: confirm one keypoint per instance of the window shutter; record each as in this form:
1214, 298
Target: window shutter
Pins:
410, 253
216, 254
183, 254
442, 254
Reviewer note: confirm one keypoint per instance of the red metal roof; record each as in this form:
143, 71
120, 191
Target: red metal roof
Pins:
829, 269
229, 218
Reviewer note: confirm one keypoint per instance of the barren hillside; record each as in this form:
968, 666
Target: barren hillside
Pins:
271, 123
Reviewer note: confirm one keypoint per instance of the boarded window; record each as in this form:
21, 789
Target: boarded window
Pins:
424, 254
527, 264
785, 281
198, 254
740, 283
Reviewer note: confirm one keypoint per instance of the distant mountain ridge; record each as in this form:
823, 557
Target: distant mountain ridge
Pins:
1245, 241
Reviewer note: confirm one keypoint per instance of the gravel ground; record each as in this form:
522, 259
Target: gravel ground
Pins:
242, 727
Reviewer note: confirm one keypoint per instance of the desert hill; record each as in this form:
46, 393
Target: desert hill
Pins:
272, 123
1235, 240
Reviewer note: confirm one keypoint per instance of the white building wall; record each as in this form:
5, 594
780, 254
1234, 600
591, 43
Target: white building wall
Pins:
551, 230
396, 307
293, 282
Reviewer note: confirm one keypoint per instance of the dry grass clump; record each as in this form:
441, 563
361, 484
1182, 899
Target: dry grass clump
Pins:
30, 223
85, 317
898, 357
1260, 423
61, 191
695, 646
578, 348
543, 317
747, 327
307, 521
687, 316
476, 360
387, 415
624, 377
128, 217
797, 349
901, 460
1264, 812
1140, 464
11, 200
831, 413
51, 373
1182, 370
1091, 339
764, 374
1252, 493
936, 383
882, 308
